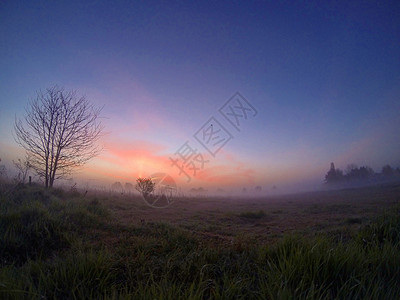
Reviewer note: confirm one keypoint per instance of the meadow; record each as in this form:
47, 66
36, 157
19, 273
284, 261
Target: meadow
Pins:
57, 244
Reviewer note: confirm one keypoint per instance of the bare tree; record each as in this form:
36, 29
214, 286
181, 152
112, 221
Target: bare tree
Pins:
128, 187
23, 166
3, 172
145, 186
117, 187
59, 133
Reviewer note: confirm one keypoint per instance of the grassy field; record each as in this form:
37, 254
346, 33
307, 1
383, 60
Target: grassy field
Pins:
323, 245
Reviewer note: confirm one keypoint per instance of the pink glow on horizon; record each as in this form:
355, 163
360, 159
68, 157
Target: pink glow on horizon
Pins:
129, 160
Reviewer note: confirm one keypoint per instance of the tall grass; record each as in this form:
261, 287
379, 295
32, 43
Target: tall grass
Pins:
34, 223
46, 254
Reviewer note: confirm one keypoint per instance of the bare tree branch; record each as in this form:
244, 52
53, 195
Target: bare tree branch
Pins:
145, 186
59, 133
23, 166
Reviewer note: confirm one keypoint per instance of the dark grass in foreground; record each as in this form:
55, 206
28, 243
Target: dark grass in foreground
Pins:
55, 245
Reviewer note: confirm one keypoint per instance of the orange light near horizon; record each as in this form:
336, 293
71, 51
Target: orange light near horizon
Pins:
128, 161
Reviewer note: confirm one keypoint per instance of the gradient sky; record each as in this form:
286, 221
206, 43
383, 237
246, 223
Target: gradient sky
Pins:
323, 77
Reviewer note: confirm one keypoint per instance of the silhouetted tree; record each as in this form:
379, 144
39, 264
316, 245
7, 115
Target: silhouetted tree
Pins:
128, 187
3, 171
355, 173
366, 172
352, 172
333, 175
387, 171
23, 167
117, 187
59, 133
145, 186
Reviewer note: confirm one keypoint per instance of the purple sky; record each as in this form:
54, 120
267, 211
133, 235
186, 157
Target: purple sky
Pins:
324, 79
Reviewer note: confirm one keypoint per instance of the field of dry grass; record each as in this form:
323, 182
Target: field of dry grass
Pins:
263, 219
57, 244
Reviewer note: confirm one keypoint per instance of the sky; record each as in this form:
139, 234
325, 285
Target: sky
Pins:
318, 82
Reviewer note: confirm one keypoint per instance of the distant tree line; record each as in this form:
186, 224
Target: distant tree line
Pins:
354, 173
119, 188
